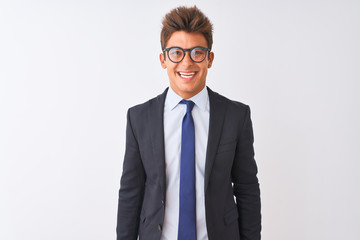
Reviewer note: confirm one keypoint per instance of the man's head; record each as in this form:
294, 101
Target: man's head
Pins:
186, 28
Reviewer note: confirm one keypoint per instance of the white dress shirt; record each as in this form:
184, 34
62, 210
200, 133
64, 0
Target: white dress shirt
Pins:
173, 116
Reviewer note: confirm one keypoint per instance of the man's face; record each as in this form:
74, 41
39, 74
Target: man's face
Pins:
187, 78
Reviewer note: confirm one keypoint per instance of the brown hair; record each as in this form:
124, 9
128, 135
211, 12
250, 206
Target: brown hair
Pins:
188, 19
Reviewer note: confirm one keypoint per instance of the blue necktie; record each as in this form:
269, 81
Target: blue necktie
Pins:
187, 204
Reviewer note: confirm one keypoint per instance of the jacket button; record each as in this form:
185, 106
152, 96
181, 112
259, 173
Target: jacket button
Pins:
162, 202
159, 227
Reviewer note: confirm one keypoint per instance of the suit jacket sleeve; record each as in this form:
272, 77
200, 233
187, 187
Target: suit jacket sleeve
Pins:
131, 188
246, 186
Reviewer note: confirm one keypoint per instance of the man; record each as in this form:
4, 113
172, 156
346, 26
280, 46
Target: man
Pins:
189, 151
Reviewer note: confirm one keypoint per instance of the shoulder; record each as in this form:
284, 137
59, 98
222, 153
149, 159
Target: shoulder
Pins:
152, 104
231, 105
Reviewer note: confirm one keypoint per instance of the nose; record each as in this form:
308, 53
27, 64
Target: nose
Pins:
187, 60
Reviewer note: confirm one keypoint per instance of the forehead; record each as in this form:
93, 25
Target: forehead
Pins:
186, 40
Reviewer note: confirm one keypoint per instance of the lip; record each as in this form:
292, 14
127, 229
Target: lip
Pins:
186, 75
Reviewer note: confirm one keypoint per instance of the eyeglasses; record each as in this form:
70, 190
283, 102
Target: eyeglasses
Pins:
177, 54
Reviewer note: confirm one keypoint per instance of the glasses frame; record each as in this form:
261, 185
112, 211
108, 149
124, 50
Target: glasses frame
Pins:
207, 50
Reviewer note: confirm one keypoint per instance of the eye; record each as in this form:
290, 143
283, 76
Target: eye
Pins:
199, 52
175, 52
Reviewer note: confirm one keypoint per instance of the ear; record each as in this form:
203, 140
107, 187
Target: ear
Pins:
211, 59
162, 61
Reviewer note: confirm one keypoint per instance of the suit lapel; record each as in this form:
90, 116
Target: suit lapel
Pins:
217, 114
156, 121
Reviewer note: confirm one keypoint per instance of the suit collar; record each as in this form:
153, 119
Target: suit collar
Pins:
201, 99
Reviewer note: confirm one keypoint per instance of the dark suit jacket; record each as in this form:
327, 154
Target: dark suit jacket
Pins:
230, 170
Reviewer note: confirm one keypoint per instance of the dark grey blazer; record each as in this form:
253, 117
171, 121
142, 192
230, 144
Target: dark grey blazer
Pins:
230, 170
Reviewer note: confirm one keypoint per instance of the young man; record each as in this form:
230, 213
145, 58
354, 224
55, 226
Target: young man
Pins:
189, 151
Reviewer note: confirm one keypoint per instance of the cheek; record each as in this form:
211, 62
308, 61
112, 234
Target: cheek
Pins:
171, 73
204, 71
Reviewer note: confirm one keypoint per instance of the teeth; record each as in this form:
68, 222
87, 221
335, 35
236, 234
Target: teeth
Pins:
186, 75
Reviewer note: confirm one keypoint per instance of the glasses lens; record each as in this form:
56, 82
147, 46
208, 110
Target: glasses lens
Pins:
175, 54
198, 54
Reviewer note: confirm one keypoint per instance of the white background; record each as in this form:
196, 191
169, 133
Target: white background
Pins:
69, 70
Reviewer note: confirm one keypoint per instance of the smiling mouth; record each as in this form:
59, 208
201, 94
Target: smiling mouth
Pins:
186, 75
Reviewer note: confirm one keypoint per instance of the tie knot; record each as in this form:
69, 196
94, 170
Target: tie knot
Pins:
189, 105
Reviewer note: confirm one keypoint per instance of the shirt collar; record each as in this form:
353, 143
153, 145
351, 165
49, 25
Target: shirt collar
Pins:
201, 99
